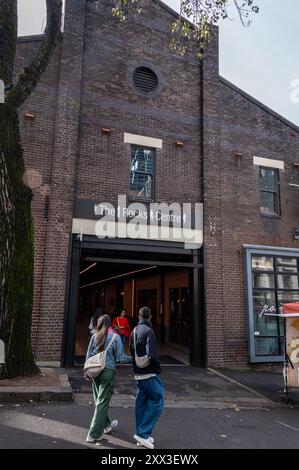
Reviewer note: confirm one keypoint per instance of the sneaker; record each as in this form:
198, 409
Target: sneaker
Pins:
91, 440
144, 442
111, 426
151, 439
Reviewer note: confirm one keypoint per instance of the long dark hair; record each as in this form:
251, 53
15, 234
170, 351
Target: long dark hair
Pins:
102, 329
97, 314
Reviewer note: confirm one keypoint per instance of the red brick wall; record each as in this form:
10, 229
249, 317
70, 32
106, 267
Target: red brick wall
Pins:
111, 53
87, 87
232, 193
37, 138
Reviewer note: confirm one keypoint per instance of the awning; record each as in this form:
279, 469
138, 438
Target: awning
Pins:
290, 310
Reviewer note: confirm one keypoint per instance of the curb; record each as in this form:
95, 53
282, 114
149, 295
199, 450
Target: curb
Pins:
63, 392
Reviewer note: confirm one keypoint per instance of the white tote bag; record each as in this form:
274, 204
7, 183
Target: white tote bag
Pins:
96, 364
141, 361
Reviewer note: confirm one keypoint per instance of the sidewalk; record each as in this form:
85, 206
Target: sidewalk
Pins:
190, 387
50, 385
185, 386
203, 410
268, 383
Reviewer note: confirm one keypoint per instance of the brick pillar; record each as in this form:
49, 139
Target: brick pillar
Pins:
53, 295
212, 207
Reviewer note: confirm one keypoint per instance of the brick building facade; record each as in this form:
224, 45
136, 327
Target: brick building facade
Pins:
228, 139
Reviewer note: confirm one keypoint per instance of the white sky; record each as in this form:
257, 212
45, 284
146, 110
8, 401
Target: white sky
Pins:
261, 59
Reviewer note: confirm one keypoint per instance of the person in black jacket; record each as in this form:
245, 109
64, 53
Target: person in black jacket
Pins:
150, 390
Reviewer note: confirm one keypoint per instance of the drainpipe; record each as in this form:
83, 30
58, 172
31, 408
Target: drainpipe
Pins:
202, 300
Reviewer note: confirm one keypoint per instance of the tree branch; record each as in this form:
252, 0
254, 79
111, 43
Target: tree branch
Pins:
31, 75
8, 38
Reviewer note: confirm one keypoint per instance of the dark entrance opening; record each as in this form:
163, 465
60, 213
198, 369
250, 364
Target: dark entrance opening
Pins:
129, 274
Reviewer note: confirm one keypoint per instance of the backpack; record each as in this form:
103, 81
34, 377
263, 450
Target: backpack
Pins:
96, 364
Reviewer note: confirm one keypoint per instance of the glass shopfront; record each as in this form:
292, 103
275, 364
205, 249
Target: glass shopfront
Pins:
272, 278
179, 307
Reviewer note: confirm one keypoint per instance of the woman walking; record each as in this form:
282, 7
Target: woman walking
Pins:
122, 325
102, 385
94, 320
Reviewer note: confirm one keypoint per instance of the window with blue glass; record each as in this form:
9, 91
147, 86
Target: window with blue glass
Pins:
142, 172
272, 281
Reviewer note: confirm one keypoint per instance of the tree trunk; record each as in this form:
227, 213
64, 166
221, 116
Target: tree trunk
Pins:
16, 228
16, 251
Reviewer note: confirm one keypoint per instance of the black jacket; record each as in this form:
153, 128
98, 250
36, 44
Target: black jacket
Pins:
146, 343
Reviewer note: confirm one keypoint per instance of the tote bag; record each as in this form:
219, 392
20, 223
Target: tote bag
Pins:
141, 361
96, 364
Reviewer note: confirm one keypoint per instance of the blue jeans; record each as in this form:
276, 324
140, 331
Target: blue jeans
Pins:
149, 405
123, 339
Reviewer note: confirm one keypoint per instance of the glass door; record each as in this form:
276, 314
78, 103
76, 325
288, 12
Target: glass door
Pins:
149, 298
179, 300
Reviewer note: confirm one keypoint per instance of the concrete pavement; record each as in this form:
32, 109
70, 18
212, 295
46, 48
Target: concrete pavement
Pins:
185, 386
203, 411
64, 426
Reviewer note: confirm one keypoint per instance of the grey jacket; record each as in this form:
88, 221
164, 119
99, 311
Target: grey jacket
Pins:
146, 343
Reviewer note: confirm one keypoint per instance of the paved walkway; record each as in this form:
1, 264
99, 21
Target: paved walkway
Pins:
185, 387
268, 383
204, 410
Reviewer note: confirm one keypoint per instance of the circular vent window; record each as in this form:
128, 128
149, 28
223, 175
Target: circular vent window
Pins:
145, 79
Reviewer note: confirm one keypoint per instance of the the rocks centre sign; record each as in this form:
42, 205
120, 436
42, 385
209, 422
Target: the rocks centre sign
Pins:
138, 220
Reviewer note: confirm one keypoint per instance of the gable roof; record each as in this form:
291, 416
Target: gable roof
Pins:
258, 103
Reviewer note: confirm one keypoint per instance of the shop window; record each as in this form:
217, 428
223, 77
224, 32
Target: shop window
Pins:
142, 172
272, 280
269, 191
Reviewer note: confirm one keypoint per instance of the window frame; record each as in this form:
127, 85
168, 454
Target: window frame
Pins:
275, 192
137, 197
249, 252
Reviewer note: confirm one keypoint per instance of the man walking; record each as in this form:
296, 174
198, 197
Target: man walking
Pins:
150, 390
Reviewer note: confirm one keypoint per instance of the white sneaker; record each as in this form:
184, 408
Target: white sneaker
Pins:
151, 439
91, 440
144, 442
111, 426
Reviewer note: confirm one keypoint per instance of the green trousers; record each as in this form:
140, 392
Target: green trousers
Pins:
102, 387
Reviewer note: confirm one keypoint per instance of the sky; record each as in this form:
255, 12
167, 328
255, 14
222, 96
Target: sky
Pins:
262, 60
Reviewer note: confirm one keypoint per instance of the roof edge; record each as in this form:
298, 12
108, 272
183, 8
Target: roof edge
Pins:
163, 5
259, 103
177, 15
167, 8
